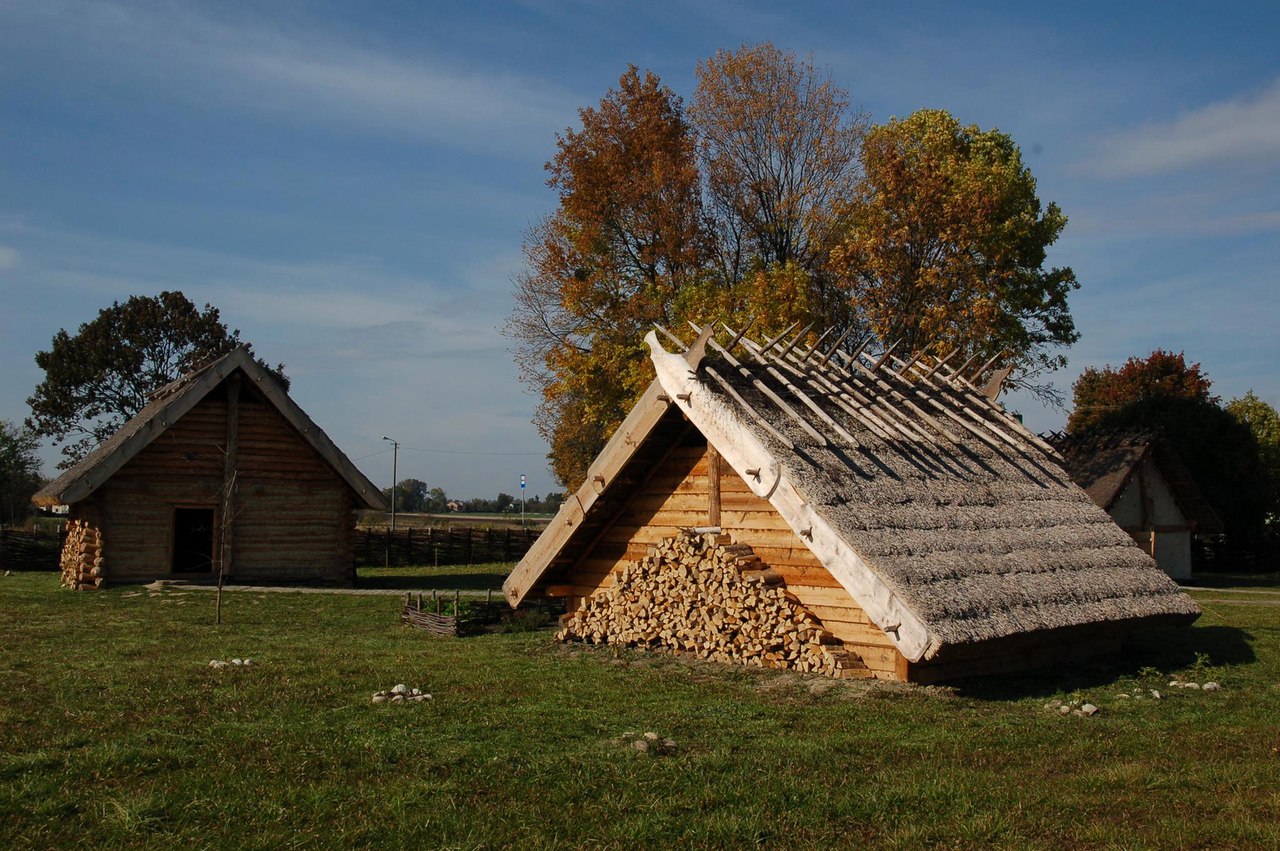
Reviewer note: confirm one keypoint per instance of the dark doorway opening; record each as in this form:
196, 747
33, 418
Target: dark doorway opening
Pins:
192, 540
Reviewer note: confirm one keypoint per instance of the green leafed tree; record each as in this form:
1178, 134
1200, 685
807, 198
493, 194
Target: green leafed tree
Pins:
944, 244
19, 472
1262, 420
100, 377
410, 495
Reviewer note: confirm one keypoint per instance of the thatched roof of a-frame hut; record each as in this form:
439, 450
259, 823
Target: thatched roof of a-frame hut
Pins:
168, 404
945, 519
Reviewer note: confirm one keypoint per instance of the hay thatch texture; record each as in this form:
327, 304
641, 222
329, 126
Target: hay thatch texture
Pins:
964, 515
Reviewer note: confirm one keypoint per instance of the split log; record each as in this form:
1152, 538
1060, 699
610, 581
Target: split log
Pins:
704, 595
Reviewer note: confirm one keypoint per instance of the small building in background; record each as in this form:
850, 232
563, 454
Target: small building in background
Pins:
222, 472
1138, 479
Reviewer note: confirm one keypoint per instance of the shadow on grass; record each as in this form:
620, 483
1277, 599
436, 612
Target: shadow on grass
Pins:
1160, 649
1235, 580
445, 582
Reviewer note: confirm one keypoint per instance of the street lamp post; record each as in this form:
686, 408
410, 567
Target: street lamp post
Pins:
395, 457
394, 461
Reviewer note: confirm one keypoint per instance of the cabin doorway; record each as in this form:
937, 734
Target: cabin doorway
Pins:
192, 540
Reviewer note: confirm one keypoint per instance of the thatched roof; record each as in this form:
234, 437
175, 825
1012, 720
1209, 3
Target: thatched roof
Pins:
946, 520
171, 403
1104, 464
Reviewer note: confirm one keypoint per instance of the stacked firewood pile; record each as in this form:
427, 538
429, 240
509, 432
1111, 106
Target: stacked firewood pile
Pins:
702, 594
82, 562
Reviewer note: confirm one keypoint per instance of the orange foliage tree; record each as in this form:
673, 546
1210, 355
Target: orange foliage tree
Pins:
779, 145
945, 244
616, 256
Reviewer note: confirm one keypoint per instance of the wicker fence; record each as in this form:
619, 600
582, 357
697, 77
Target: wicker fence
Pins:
466, 545
21, 550
455, 616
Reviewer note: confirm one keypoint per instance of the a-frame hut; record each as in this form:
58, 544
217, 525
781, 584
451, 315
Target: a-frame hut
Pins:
884, 517
1138, 479
220, 472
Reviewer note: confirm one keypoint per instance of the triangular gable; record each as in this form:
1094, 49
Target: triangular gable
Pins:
174, 401
901, 479
1105, 464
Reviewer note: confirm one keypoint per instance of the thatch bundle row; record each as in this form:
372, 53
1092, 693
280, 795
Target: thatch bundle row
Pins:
701, 594
82, 560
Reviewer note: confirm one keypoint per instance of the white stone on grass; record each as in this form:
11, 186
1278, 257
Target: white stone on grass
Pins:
379, 698
641, 745
1211, 686
400, 688
1089, 709
1156, 695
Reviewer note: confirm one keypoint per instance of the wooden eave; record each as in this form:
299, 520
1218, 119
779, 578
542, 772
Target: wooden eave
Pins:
96, 468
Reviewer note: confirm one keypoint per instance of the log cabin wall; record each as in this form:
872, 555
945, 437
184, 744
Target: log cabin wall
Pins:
679, 495
293, 518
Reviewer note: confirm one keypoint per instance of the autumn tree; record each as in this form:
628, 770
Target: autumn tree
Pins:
102, 376
1163, 393
621, 252
19, 472
944, 244
779, 145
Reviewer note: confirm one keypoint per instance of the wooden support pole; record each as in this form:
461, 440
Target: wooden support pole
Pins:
713, 486
231, 467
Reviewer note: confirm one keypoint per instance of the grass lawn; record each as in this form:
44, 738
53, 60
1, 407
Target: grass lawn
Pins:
468, 577
115, 732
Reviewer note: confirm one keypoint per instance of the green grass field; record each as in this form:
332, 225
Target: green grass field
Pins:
114, 731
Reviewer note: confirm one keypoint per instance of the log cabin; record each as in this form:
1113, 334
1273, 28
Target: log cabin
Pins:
779, 505
1138, 479
220, 474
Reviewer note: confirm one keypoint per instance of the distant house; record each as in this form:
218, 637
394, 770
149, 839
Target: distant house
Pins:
453, 505
1141, 482
885, 508
220, 471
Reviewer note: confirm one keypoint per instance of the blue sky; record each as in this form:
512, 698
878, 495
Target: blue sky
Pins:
349, 182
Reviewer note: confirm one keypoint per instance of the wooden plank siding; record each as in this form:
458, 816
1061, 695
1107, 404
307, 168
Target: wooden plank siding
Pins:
680, 495
294, 516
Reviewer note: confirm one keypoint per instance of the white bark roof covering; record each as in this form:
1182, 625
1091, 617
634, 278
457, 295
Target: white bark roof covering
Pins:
174, 400
946, 520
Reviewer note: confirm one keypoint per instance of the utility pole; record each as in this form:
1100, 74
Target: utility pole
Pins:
395, 457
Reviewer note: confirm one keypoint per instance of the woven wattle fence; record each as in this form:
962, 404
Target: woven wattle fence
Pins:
375, 548
454, 615
21, 550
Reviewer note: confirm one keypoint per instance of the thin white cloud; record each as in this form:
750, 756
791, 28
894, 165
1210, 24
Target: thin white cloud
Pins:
9, 257
1241, 130
252, 65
